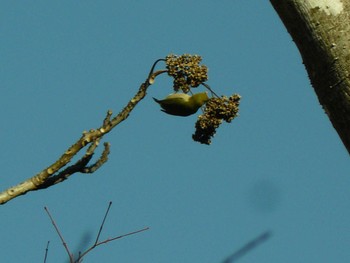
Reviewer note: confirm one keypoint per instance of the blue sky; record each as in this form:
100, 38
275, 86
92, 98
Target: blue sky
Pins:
279, 166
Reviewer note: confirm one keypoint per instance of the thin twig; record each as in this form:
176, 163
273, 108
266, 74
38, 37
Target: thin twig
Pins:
103, 158
107, 120
150, 77
111, 239
103, 222
59, 234
46, 251
209, 88
125, 235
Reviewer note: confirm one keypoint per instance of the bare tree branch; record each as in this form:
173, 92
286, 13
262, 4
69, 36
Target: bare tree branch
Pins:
47, 177
187, 73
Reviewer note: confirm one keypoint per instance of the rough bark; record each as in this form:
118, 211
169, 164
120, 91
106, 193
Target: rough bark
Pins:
51, 175
321, 31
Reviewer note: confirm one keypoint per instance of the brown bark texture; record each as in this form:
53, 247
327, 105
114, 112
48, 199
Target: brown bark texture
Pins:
321, 31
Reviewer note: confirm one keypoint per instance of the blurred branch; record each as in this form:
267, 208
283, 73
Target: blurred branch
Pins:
247, 247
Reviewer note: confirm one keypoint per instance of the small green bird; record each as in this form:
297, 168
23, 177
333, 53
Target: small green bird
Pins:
181, 104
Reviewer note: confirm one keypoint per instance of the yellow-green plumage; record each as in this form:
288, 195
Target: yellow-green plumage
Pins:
181, 104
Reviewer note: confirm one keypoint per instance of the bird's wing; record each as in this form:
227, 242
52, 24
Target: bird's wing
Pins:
176, 98
183, 96
171, 102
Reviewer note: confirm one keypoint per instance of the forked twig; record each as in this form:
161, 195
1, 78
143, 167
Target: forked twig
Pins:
210, 89
96, 244
103, 222
109, 240
51, 175
59, 234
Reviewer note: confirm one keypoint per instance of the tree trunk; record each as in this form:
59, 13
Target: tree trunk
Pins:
321, 31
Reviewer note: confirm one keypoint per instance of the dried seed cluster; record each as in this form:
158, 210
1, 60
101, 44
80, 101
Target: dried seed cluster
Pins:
216, 110
186, 71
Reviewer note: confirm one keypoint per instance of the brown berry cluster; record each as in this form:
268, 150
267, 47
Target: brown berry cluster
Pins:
216, 110
186, 71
